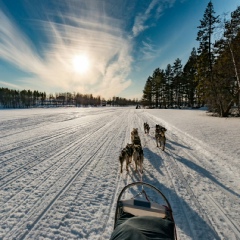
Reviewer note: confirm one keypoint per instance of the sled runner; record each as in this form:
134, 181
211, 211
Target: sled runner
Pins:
143, 213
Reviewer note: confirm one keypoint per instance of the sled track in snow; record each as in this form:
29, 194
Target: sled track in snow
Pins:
203, 164
27, 124
40, 141
123, 179
177, 169
44, 204
177, 178
222, 214
60, 158
49, 205
219, 213
83, 190
72, 148
232, 195
8, 150
66, 182
63, 157
116, 192
20, 171
172, 177
24, 151
176, 174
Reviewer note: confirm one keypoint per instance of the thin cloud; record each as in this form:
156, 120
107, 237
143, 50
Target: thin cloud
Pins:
154, 10
77, 31
10, 85
148, 50
140, 20
14, 46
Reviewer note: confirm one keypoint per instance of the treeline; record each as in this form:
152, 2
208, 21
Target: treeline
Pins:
21, 99
210, 76
26, 98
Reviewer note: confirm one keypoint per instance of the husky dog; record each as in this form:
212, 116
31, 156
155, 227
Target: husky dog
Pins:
160, 136
129, 149
159, 129
146, 127
138, 157
124, 157
134, 133
136, 140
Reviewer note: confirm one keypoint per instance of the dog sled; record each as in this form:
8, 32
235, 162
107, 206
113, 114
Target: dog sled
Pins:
143, 213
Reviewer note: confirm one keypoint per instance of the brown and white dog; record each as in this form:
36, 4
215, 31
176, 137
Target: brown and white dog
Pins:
137, 157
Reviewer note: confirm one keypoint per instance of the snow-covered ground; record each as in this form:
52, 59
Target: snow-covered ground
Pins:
60, 175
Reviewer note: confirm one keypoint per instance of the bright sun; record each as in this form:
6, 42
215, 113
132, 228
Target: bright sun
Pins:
81, 63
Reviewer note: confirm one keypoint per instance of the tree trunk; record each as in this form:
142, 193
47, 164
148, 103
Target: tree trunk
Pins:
225, 112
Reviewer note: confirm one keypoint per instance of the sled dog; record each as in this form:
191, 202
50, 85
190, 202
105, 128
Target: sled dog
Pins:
146, 127
134, 133
124, 157
138, 157
159, 129
136, 140
160, 136
129, 149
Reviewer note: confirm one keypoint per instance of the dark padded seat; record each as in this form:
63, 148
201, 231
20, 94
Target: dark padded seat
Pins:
129, 227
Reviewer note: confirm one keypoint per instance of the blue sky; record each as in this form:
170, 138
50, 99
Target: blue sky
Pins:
103, 47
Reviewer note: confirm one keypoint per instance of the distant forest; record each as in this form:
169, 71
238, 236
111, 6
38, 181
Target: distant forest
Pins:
211, 75
26, 98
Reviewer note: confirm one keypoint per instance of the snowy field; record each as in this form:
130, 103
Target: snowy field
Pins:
60, 175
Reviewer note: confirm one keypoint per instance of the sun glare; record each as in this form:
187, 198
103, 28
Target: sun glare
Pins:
81, 63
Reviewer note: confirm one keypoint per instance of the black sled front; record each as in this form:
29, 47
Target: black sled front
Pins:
143, 213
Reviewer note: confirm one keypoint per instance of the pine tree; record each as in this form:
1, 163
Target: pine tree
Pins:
205, 61
148, 93
169, 91
189, 76
232, 41
205, 34
157, 84
177, 82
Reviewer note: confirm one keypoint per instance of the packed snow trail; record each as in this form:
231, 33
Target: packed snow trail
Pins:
60, 175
